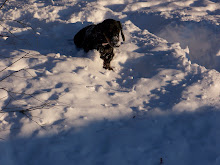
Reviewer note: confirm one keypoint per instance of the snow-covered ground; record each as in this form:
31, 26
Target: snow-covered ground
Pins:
161, 105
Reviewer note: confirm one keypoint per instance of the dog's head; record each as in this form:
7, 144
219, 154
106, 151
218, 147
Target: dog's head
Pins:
111, 30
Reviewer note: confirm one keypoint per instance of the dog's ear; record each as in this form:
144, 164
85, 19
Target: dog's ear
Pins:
122, 34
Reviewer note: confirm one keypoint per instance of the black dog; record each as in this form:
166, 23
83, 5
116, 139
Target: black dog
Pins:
102, 37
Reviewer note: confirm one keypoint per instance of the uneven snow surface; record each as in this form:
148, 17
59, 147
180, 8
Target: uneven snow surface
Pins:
161, 105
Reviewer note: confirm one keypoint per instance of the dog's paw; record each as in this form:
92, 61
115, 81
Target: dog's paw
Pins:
108, 68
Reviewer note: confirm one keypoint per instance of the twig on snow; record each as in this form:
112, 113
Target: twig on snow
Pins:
14, 62
3, 4
12, 74
161, 160
20, 109
30, 117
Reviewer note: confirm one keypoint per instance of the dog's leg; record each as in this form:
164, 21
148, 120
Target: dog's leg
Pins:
107, 54
106, 65
107, 60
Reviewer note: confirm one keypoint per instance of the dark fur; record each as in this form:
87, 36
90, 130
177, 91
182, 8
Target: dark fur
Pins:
102, 37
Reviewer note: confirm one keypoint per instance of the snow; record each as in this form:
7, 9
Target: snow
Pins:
159, 106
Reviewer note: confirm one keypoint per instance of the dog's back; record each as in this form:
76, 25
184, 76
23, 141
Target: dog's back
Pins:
79, 38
